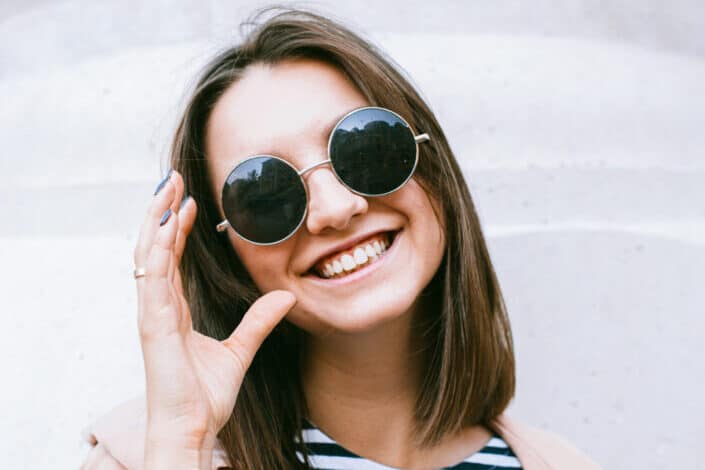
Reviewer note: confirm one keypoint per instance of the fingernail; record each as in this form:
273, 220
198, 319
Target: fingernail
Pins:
184, 200
165, 217
163, 182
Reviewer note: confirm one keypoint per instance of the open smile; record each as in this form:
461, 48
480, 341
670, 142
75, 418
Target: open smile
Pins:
356, 262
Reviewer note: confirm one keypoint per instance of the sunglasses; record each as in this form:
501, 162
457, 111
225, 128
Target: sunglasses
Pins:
372, 151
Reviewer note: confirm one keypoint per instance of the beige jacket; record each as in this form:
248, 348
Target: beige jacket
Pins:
117, 442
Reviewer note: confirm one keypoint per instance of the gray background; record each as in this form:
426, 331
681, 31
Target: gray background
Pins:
579, 126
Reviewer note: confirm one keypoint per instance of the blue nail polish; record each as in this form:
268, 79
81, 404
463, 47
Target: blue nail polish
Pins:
165, 217
163, 182
184, 200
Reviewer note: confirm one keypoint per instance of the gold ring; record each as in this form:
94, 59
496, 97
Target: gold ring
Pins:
139, 272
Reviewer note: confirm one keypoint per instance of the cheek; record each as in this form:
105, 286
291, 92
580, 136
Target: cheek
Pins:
256, 260
266, 264
429, 229
420, 210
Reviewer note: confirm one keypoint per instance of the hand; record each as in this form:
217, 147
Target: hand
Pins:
192, 380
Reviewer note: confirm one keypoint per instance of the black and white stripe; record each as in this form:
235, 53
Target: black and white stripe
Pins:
326, 454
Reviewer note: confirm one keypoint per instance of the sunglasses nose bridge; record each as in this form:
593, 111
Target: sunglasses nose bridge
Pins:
311, 167
331, 204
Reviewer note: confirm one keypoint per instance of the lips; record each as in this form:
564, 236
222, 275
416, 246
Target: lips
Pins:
323, 265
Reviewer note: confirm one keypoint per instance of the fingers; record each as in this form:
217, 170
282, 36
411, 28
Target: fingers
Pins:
160, 203
187, 216
158, 309
178, 181
160, 306
168, 197
257, 323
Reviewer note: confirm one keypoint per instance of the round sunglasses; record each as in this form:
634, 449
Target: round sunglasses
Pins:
373, 152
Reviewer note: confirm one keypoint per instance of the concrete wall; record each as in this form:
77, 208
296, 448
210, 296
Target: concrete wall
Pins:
579, 126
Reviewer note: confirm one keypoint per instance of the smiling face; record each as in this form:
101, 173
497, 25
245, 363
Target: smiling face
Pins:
288, 110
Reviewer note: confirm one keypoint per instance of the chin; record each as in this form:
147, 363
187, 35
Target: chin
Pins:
358, 316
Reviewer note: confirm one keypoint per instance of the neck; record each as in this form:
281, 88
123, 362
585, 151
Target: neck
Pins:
361, 387
361, 390
363, 369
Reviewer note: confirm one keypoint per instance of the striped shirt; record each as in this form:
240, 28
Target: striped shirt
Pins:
326, 454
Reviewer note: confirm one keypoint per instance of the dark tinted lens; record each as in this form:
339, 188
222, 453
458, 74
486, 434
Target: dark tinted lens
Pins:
373, 151
264, 199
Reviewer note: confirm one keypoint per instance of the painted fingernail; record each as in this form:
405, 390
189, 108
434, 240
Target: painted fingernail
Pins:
184, 200
165, 217
163, 182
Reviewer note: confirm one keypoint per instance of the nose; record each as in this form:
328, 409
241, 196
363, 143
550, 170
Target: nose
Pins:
331, 205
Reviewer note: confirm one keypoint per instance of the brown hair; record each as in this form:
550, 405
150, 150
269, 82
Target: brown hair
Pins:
467, 341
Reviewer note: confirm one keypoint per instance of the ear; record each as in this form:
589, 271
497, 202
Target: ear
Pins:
122, 430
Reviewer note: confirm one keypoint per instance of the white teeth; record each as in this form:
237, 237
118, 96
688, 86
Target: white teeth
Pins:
348, 262
360, 256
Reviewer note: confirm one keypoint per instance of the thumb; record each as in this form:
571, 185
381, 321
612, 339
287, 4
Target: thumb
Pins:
259, 320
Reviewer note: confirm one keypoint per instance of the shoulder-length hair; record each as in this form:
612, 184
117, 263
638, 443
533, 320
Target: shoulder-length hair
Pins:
466, 339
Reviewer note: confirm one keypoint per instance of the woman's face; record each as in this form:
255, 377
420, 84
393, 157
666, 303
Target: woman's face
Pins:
288, 110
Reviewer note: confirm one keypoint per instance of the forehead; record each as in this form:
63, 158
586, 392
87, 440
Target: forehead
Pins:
284, 109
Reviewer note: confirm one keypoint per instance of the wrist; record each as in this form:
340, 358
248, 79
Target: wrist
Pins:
172, 451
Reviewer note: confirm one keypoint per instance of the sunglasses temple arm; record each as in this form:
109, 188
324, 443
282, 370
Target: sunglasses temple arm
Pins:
221, 227
421, 138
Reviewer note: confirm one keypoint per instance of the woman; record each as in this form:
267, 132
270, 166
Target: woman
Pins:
308, 169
